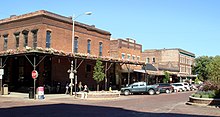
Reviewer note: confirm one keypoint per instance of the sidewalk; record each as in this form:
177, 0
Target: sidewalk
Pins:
60, 97
16, 95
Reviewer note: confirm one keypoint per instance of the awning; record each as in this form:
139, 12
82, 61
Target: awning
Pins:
150, 72
186, 75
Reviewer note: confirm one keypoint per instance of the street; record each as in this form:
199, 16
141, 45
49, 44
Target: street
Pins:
133, 105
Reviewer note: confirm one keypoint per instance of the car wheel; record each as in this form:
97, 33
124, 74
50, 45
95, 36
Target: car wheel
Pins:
167, 91
151, 92
127, 92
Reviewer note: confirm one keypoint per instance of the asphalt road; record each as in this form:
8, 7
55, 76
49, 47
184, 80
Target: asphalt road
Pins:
163, 105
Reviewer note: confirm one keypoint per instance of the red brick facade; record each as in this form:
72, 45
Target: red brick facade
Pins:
52, 68
126, 50
61, 32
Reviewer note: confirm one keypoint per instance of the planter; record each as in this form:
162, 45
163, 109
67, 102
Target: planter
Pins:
101, 95
207, 101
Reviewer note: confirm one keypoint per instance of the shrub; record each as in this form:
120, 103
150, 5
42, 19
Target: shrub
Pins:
204, 96
207, 86
196, 95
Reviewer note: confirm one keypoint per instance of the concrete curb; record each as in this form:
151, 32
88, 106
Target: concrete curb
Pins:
203, 105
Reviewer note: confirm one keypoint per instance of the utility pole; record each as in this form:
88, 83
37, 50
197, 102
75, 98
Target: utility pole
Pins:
71, 76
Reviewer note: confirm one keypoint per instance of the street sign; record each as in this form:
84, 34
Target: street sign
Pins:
1, 71
34, 74
71, 75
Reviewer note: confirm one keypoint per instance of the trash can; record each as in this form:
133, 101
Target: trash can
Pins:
31, 93
5, 89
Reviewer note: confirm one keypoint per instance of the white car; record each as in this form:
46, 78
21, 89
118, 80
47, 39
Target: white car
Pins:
178, 87
186, 85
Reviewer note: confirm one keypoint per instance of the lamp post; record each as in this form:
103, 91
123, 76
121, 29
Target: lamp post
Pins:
73, 32
73, 72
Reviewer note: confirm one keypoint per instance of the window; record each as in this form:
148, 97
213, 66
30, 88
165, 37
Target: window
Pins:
88, 68
100, 48
5, 41
17, 39
25, 34
76, 45
133, 57
34, 32
182, 69
89, 46
138, 58
123, 56
142, 84
135, 85
154, 60
129, 56
48, 39
147, 60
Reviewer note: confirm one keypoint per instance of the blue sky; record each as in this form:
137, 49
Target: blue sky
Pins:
193, 25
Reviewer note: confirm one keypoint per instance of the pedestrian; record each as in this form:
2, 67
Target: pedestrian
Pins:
80, 87
85, 92
58, 87
67, 88
70, 88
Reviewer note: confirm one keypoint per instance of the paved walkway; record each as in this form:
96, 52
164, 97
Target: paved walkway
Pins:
25, 96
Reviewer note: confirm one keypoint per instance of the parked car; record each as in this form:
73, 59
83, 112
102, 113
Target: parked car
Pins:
186, 85
178, 87
140, 87
193, 87
165, 87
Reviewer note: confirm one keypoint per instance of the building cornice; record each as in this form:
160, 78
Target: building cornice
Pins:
52, 16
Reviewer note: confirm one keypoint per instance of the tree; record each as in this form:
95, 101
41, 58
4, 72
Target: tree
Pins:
98, 74
213, 69
166, 77
200, 67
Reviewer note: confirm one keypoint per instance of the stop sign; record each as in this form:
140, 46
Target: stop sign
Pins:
34, 74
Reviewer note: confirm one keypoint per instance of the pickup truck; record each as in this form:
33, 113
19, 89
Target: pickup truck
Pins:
140, 87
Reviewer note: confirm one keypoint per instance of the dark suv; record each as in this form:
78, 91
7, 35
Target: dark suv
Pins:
165, 87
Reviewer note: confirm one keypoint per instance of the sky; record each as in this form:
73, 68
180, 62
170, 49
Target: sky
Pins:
192, 25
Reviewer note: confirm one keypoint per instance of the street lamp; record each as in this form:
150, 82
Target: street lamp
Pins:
73, 72
73, 32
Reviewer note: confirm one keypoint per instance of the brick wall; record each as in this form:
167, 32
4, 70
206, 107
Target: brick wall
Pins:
61, 33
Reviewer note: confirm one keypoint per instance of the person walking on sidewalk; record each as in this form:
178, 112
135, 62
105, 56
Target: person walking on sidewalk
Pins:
67, 88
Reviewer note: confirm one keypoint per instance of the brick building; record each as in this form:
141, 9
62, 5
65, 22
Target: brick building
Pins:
126, 50
177, 62
46, 39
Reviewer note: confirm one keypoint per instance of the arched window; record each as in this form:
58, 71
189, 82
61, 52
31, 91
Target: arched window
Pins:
25, 35
5, 41
48, 39
100, 48
76, 45
89, 46
17, 39
34, 33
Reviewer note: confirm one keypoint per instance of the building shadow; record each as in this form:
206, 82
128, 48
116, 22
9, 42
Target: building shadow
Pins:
75, 110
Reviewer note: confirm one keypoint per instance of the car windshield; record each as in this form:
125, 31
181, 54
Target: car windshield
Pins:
164, 84
177, 84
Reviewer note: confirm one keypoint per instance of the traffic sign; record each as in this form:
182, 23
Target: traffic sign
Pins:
71, 75
34, 74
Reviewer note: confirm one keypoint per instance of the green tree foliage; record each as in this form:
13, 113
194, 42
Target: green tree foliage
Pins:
98, 74
197, 80
200, 67
214, 70
166, 77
